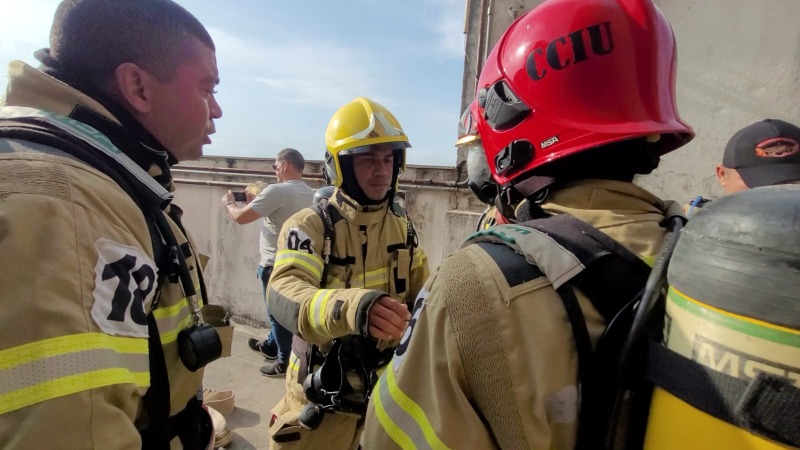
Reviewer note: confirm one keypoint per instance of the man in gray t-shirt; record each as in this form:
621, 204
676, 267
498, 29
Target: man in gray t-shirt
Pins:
275, 203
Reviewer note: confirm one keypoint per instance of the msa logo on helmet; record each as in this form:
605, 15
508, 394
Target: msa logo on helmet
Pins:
549, 142
559, 53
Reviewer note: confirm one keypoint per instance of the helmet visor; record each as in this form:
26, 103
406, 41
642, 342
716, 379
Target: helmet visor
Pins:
369, 148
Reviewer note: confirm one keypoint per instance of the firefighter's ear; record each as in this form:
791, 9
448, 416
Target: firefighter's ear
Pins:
134, 87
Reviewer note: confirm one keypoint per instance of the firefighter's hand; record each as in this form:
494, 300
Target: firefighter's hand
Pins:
388, 319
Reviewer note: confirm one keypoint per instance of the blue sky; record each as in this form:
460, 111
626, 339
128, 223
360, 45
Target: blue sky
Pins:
287, 66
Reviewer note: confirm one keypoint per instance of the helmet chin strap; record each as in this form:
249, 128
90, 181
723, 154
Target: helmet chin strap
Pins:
520, 202
395, 176
531, 186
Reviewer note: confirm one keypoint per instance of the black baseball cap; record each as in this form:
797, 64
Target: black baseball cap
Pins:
765, 153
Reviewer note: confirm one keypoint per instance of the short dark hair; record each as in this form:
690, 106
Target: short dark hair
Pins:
293, 157
91, 38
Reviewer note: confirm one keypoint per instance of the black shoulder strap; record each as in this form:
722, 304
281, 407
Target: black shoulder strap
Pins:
329, 216
411, 235
513, 265
156, 399
612, 276
613, 279
412, 241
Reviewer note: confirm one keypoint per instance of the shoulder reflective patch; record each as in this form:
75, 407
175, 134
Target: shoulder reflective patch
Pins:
299, 240
125, 281
419, 304
557, 263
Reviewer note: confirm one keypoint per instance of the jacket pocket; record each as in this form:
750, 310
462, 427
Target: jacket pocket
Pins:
398, 278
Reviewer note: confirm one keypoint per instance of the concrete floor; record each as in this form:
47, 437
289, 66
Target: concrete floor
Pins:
255, 393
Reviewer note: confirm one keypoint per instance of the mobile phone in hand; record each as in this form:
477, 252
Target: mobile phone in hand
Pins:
240, 196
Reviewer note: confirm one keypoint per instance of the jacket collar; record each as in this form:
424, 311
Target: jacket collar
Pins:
357, 214
626, 212
36, 89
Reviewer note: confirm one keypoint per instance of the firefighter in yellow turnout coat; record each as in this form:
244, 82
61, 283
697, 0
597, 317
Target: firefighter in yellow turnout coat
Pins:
491, 356
79, 272
373, 272
487, 348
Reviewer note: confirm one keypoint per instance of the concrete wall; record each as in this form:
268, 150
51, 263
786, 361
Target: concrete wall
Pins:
738, 62
232, 248
430, 193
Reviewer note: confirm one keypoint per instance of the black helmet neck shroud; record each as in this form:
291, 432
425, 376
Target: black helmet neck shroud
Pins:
619, 161
350, 183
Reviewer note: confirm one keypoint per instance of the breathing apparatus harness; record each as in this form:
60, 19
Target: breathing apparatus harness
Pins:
341, 379
627, 293
94, 140
621, 287
617, 377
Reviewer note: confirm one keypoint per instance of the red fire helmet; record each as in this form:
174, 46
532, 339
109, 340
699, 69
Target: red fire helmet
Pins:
572, 75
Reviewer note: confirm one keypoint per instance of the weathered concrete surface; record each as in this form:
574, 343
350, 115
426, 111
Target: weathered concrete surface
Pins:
738, 62
458, 225
255, 393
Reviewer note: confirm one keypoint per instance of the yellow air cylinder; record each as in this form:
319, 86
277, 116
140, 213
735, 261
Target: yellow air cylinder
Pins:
733, 306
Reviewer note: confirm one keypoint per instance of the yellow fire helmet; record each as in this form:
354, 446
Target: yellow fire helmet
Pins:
355, 128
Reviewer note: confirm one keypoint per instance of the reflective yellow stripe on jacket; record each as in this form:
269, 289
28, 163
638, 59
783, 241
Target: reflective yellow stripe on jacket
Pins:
56, 367
380, 277
373, 279
402, 419
317, 309
172, 319
307, 260
294, 363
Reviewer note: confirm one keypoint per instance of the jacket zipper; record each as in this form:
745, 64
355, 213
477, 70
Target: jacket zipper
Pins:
363, 229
